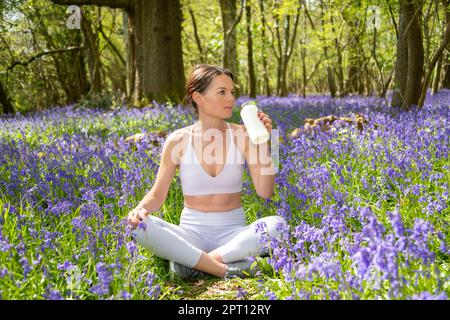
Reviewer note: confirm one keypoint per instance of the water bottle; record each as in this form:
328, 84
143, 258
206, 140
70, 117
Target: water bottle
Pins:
256, 130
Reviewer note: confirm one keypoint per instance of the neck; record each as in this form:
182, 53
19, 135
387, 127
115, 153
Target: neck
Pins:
211, 124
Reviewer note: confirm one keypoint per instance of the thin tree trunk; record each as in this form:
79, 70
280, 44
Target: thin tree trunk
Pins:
446, 79
330, 77
4, 100
437, 76
129, 26
251, 71
431, 65
340, 71
229, 22
263, 54
93, 55
197, 38
401, 63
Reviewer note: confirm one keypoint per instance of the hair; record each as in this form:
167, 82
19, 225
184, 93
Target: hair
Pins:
199, 80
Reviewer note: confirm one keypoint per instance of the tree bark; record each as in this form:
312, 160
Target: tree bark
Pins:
4, 100
432, 64
340, 70
154, 55
197, 37
263, 53
446, 79
437, 76
92, 53
415, 56
410, 55
251, 69
352, 84
330, 77
229, 22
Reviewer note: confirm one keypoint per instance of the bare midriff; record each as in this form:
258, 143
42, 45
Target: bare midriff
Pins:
213, 202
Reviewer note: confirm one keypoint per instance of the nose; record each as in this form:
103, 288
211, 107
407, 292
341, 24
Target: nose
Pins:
230, 97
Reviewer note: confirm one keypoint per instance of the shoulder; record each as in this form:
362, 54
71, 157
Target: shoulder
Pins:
178, 135
176, 140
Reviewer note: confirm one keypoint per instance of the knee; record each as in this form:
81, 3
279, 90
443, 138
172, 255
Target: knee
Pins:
274, 224
151, 223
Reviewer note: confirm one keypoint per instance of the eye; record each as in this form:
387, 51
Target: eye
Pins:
222, 92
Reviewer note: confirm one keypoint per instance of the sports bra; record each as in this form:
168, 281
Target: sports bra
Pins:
196, 181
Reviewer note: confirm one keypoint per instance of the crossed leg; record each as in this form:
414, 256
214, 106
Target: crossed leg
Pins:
176, 244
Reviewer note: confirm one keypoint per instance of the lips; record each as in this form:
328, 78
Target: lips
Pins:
228, 108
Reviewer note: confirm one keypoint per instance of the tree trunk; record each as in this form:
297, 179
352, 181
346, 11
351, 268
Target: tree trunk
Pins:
4, 100
285, 47
409, 63
154, 55
330, 77
437, 76
93, 55
263, 54
159, 61
251, 71
432, 63
354, 61
197, 37
229, 21
446, 79
340, 70
415, 56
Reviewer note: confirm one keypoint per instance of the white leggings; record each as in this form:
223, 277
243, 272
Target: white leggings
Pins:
202, 232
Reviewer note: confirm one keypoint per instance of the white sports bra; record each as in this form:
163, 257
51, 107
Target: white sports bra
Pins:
196, 181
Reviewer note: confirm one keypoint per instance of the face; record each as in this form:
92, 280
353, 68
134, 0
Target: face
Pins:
218, 99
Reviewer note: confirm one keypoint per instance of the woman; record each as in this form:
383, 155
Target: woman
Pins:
212, 236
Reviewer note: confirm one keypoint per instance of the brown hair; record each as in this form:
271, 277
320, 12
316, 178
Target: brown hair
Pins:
199, 80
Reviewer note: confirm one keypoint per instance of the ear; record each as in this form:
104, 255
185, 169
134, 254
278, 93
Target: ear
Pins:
197, 98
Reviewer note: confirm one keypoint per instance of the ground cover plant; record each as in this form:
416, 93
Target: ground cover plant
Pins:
368, 211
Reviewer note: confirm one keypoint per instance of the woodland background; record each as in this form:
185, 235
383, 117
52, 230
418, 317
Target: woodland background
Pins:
115, 52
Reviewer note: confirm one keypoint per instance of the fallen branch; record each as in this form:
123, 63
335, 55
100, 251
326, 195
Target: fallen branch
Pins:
326, 123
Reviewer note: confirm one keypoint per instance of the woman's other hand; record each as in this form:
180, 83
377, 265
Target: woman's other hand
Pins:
136, 216
265, 119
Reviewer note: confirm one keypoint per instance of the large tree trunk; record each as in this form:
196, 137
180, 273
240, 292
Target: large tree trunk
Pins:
159, 60
154, 55
4, 100
409, 63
